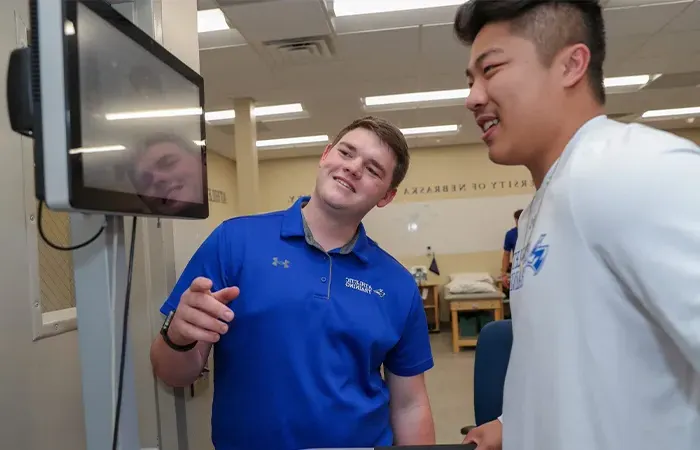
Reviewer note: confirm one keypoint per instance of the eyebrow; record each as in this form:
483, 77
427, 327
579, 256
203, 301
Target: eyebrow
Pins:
480, 59
348, 145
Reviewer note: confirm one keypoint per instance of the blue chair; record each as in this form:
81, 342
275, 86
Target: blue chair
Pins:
490, 367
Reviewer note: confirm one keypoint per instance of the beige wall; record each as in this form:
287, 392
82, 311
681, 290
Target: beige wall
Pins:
221, 174
435, 174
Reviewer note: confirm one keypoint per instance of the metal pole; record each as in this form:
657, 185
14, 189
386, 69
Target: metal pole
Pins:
100, 289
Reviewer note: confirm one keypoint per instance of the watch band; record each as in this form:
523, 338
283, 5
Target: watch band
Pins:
164, 332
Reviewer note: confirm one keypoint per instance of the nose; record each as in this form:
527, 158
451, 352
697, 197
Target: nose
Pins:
354, 167
477, 97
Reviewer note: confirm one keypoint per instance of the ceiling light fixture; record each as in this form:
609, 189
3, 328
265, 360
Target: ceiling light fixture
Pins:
457, 96
671, 113
259, 111
292, 142
417, 97
633, 80
434, 129
343, 8
211, 20
154, 114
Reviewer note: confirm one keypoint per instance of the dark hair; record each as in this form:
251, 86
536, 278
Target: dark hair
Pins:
391, 136
517, 213
550, 24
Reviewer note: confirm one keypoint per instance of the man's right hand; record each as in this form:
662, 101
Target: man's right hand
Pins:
505, 280
201, 314
488, 436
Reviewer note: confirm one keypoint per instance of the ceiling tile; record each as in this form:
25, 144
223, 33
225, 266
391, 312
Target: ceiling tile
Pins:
689, 20
663, 44
385, 45
640, 20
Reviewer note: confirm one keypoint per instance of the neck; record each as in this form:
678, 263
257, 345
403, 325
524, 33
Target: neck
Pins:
331, 229
548, 155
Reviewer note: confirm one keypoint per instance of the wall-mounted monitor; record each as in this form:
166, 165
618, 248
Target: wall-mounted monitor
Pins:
118, 120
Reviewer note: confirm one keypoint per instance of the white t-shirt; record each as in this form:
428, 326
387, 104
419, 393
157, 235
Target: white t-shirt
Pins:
606, 318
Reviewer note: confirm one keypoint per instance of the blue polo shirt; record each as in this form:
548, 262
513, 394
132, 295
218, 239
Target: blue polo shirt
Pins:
300, 364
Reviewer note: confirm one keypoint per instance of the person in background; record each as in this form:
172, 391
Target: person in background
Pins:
605, 284
508, 248
303, 311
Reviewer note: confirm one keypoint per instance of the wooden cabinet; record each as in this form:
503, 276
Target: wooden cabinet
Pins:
431, 304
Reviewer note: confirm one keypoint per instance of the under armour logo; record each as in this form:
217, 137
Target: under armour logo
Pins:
276, 262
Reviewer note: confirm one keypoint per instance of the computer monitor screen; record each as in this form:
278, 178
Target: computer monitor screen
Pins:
136, 131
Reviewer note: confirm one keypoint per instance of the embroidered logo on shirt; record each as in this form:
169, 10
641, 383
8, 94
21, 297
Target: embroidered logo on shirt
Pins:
276, 262
363, 287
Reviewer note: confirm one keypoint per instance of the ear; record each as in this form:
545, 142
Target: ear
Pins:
326, 151
575, 61
391, 193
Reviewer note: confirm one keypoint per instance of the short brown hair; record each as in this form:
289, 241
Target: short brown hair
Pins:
391, 136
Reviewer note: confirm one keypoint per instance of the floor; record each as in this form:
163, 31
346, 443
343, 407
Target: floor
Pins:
450, 387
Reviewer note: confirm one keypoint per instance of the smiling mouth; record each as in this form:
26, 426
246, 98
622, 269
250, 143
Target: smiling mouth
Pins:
490, 124
344, 184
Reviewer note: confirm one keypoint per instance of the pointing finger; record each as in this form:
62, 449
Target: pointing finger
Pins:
227, 294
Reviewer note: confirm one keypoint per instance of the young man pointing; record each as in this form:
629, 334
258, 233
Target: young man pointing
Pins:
303, 310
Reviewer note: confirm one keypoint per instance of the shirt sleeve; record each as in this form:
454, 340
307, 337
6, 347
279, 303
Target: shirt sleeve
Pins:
643, 221
209, 261
509, 242
412, 354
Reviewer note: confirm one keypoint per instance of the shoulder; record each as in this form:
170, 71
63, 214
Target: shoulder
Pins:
629, 172
628, 150
512, 232
252, 222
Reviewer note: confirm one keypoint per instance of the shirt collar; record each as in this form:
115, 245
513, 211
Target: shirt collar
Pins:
294, 225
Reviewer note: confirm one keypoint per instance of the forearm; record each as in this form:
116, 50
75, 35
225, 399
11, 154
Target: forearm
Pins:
178, 369
413, 425
505, 262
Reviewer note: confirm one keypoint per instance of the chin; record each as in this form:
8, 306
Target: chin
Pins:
502, 156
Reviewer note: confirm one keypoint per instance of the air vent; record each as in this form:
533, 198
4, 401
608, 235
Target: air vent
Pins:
300, 50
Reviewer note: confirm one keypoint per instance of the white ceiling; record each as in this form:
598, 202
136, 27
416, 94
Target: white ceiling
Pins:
414, 51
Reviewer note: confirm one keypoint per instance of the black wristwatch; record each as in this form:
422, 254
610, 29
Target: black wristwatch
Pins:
171, 344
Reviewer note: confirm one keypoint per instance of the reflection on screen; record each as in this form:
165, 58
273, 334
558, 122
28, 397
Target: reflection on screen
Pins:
140, 120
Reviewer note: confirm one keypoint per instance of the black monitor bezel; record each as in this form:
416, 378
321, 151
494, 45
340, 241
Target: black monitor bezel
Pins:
86, 198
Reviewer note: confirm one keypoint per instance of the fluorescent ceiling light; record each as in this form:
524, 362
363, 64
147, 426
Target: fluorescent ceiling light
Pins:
461, 94
357, 7
657, 113
211, 20
158, 113
435, 129
284, 142
104, 148
634, 80
260, 111
417, 97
